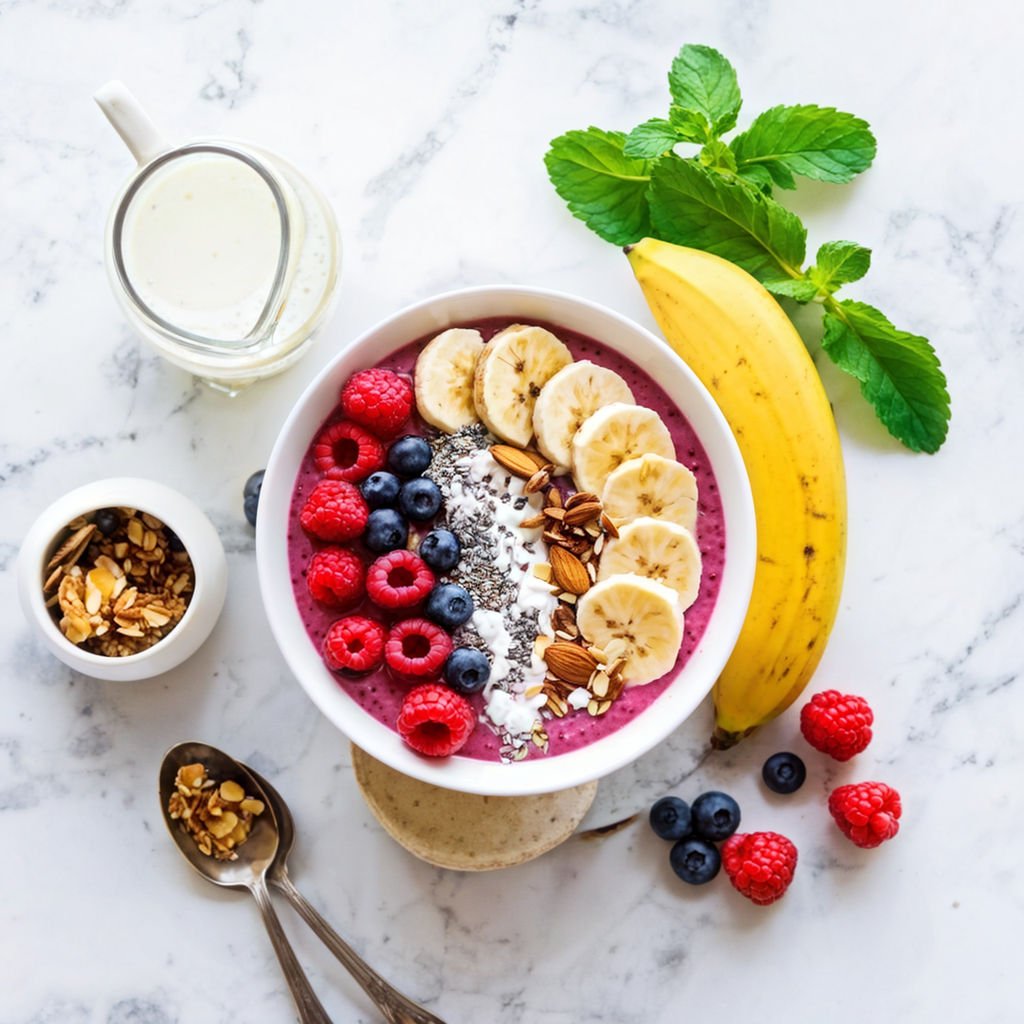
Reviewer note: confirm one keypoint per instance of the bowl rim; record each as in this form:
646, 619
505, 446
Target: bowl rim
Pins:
40, 541
474, 775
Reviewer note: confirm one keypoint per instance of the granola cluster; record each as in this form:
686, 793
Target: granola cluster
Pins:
118, 582
219, 818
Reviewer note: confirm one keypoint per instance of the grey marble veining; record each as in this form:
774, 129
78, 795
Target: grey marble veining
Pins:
426, 124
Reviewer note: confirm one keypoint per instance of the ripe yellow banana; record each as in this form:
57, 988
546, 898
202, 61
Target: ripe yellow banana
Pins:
741, 344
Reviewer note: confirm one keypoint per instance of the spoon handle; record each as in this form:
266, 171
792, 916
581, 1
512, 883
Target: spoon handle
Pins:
310, 1010
395, 1007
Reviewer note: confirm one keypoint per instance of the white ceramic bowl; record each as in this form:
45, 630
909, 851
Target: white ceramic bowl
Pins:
184, 518
679, 699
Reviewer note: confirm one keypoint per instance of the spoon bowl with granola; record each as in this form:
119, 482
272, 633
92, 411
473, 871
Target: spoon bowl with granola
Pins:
223, 825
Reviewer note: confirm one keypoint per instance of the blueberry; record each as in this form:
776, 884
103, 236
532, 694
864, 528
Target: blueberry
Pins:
107, 521
670, 818
381, 489
386, 530
409, 456
420, 499
784, 772
449, 605
695, 861
467, 670
715, 816
251, 495
441, 550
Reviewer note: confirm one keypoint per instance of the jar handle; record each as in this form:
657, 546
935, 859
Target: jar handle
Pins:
130, 121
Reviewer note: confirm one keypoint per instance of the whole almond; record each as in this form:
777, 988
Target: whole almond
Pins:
570, 662
608, 525
579, 498
585, 512
517, 461
568, 572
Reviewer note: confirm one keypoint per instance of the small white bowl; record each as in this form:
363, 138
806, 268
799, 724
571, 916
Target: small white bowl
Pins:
180, 515
695, 679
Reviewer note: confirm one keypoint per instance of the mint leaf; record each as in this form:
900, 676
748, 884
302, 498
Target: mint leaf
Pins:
799, 288
758, 177
899, 373
693, 206
778, 172
652, 138
690, 125
839, 263
604, 188
702, 80
718, 156
816, 142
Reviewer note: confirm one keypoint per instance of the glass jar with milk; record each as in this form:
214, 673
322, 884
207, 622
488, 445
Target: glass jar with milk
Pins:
221, 253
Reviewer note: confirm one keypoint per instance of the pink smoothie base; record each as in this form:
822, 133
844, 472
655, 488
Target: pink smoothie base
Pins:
380, 695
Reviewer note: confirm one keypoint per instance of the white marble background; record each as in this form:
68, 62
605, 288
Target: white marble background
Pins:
426, 124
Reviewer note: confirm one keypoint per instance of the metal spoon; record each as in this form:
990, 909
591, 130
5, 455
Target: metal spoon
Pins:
249, 871
395, 1007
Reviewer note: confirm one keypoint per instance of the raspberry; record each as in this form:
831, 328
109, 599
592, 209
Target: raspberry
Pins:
399, 579
760, 865
354, 645
417, 648
334, 511
345, 451
837, 724
336, 577
435, 721
867, 813
379, 400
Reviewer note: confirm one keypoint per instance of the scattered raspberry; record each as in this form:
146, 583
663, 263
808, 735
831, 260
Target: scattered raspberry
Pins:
336, 577
435, 721
867, 813
760, 865
354, 644
417, 648
334, 511
379, 400
399, 579
837, 724
345, 451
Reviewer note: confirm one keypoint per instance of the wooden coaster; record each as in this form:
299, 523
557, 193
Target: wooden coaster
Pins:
464, 831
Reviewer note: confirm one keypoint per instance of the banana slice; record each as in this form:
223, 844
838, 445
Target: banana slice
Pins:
660, 551
444, 379
513, 367
572, 396
612, 436
651, 486
643, 615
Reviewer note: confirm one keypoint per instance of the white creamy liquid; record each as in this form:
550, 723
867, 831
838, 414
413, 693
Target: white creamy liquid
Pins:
201, 242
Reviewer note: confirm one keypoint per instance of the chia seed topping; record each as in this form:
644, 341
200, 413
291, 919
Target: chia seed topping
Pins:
483, 507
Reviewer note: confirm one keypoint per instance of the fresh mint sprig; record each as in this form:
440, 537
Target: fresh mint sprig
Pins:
719, 199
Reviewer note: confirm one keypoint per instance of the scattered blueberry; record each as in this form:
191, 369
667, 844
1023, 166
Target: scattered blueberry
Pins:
107, 521
381, 489
409, 456
386, 530
467, 670
251, 495
449, 605
441, 550
784, 772
420, 499
695, 861
670, 818
715, 816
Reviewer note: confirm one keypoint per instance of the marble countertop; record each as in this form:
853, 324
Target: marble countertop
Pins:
426, 125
